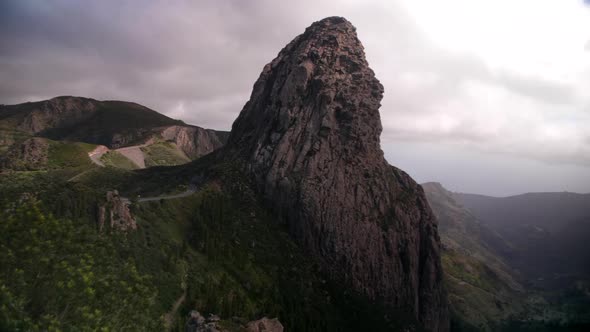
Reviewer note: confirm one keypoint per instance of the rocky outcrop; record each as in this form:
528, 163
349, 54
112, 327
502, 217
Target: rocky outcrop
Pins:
116, 212
197, 323
57, 112
309, 136
194, 141
265, 325
31, 154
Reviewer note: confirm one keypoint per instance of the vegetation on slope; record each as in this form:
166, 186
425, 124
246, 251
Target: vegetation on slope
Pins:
9, 136
113, 158
219, 247
57, 274
44, 154
486, 290
114, 119
69, 154
478, 297
163, 154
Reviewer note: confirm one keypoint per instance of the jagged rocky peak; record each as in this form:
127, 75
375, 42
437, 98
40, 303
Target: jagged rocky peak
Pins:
309, 136
320, 82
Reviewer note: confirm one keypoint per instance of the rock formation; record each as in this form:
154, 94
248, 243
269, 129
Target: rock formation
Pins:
57, 112
265, 325
198, 323
31, 154
309, 136
117, 210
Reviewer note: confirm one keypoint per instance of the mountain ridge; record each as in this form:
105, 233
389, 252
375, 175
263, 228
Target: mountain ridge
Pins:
113, 124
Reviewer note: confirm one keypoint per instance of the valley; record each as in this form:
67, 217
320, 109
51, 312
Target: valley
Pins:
504, 271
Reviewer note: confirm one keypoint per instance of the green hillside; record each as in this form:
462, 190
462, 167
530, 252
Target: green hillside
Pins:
163, 154
36, 154
111, 119
219, 247
113, 158
483, 290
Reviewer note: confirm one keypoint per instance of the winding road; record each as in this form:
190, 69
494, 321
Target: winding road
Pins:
191, 190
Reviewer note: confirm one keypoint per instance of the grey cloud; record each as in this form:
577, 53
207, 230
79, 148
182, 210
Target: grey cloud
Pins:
537, 88
205, 55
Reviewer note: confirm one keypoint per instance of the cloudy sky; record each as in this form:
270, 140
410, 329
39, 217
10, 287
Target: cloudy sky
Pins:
489, 97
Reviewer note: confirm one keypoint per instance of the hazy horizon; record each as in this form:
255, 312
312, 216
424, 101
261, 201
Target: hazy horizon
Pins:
493, 109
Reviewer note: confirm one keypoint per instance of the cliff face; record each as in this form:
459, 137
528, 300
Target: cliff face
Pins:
309, 135
31, 154
57, 112
194, 141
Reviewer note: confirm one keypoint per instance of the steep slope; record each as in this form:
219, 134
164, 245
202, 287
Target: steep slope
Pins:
459, 228
483, 289
309, 136
557, 222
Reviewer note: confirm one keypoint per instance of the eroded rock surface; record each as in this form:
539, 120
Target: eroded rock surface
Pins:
116, 212
31, 154
310, 136
197, 323
265, 325
58, 112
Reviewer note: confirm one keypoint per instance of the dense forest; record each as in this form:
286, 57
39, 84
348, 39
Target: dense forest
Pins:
218, 250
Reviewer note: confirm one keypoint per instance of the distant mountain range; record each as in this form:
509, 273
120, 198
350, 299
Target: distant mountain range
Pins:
124, 134
514, 259
550, 231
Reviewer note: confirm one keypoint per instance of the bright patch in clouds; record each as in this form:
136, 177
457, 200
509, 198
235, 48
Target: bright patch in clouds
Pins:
531, 37
520, 77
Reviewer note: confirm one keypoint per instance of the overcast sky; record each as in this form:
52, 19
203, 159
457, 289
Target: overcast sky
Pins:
489, 97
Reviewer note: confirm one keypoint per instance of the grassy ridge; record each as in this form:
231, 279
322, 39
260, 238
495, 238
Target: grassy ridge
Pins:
163, 154
115, 159
68, 154
478, 297
45, 154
